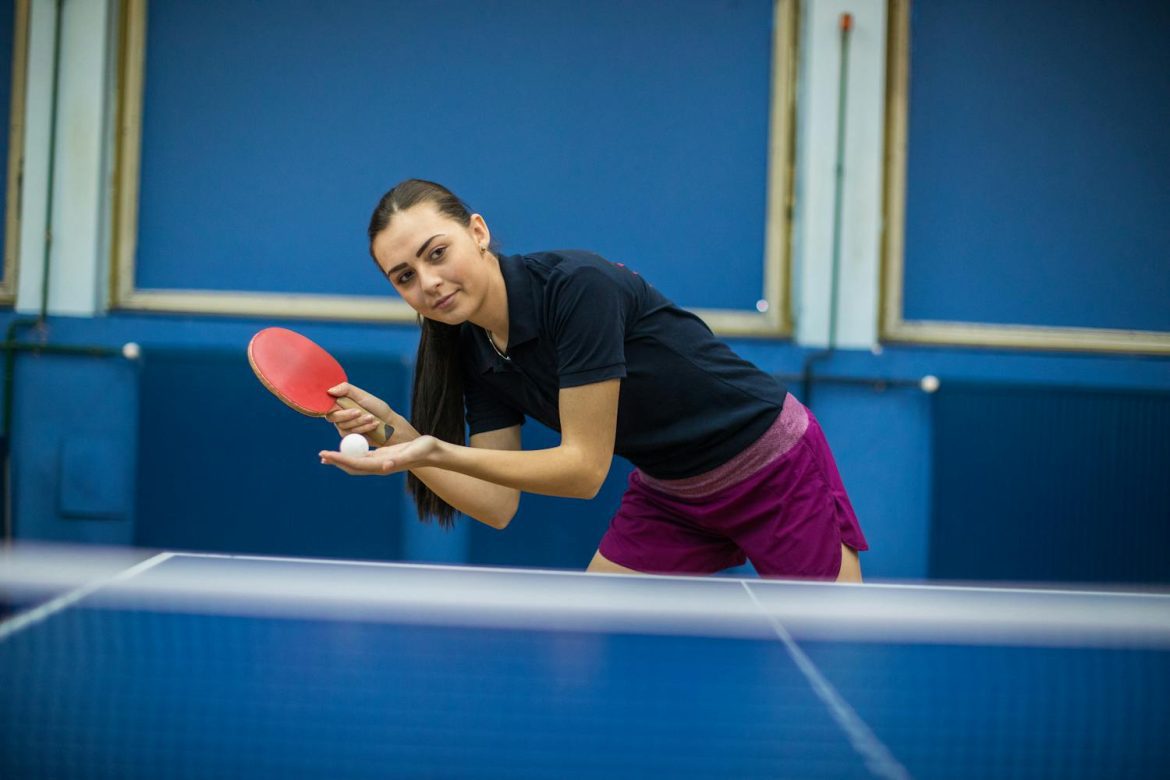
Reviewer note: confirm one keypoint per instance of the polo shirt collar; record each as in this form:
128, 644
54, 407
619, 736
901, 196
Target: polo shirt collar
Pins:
522, 300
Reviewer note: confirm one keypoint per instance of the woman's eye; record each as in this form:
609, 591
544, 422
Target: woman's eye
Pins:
404, 277
438, 252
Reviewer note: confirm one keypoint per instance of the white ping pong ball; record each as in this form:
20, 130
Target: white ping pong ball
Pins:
354, 445
929, 383
131, 350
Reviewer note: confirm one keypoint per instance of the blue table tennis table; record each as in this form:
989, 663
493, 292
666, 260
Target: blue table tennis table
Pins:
193, 666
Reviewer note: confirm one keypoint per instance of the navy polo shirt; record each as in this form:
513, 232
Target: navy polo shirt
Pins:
687, 402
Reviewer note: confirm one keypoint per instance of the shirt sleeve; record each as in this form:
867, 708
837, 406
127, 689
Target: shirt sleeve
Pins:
588, 308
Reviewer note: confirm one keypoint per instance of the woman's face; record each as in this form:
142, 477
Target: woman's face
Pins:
435, 263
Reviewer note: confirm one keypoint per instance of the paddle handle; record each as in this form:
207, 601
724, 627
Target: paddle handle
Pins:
379, 435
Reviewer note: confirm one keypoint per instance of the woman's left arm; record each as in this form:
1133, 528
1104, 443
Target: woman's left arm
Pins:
576, 468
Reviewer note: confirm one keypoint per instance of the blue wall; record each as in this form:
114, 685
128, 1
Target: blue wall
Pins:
1050, 483
74, 449
607, 125
638, 130
225, 465
1037, 176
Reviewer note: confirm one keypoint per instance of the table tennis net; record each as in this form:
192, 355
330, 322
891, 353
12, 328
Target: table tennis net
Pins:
133, 665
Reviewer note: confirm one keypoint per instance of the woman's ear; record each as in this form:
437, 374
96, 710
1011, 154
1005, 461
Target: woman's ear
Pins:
479, 231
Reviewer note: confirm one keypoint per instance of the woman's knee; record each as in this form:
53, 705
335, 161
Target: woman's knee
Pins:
603, 565
850, 565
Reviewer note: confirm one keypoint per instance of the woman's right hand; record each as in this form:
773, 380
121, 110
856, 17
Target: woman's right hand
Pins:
371, 412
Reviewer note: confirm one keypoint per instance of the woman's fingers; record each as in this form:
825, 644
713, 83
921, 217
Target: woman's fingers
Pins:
353, 421
339, 416
384, 460
370, 403
354, 465
365, 425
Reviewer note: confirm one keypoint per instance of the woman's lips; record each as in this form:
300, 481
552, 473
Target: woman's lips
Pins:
445, 302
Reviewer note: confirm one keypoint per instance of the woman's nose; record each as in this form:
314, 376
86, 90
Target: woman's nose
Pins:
429, 279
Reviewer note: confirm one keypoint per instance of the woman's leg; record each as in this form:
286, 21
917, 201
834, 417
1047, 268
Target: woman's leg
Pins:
850, 565
605, 566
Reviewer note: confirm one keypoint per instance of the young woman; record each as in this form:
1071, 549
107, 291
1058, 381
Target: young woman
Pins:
728, 465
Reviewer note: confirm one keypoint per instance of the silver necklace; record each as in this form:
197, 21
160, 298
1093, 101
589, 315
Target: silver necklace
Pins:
492, 341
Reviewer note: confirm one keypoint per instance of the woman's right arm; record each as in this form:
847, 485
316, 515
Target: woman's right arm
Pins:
487, 502
492, 504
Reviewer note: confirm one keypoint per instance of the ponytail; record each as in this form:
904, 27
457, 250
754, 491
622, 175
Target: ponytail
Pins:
436, 407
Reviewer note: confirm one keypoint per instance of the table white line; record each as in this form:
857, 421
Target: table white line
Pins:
461, 567
870, 585
878, 758
37, 614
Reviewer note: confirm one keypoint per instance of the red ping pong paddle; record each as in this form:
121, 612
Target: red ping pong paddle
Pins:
299, 372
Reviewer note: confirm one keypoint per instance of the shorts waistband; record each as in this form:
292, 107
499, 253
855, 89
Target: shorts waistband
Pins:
780, 437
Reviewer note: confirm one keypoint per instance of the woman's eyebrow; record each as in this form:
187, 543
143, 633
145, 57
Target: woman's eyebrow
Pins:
426, 243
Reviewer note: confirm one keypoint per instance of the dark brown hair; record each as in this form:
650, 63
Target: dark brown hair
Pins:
436, 402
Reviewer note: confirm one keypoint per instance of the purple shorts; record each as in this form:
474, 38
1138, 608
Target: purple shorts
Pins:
780, 503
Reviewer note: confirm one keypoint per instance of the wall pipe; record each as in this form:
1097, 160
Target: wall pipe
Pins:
846, 27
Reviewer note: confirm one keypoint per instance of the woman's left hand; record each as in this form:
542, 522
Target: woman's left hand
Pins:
386, 460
